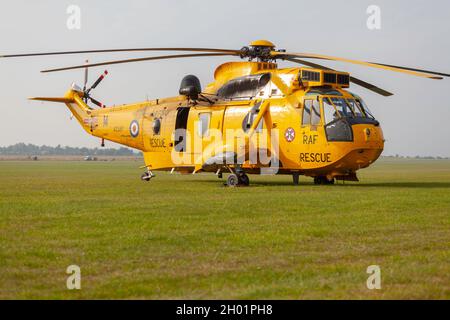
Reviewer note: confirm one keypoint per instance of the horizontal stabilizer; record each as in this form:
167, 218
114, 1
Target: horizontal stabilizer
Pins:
53, 99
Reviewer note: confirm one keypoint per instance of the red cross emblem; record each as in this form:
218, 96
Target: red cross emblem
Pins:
289, 134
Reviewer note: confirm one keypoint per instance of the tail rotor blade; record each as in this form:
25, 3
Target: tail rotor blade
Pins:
85, 76
97, 103
96, 83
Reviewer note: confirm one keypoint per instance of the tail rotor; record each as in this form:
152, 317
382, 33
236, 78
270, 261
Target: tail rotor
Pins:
87, 91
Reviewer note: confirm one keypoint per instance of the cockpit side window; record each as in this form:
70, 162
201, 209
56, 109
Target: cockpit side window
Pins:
306, 119
329, 112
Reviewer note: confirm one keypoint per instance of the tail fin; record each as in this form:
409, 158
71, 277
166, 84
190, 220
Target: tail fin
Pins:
52, 99
74, 101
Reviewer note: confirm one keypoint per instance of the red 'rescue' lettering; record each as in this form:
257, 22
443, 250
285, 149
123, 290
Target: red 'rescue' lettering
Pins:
315, 157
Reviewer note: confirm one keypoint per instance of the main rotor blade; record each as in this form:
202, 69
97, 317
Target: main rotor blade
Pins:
119, 50
140, 59
410, 71
357, 81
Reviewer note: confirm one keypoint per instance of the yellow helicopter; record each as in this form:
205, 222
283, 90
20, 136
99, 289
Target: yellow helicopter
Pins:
254, 118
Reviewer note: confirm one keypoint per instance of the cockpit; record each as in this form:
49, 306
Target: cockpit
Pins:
339, 113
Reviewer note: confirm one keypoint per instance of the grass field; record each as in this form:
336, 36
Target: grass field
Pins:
190, 237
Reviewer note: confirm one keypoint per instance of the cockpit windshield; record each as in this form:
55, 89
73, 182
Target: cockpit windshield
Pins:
357, 110
342, 107
340, 114
362, 105
339, 107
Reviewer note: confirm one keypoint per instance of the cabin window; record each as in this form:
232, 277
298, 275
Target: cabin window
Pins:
203, 124
156, 126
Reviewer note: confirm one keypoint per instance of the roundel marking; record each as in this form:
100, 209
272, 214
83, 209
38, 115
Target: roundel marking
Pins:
289, 134
134, 128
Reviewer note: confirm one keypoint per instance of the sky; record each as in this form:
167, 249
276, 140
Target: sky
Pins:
415, 120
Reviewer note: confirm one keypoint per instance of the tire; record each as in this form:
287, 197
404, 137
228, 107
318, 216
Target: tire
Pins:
323, 180
232, 180
244, 180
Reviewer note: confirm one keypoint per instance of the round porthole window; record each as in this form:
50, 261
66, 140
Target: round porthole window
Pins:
156, 126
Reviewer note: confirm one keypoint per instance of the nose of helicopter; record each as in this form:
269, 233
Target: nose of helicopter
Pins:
368, 144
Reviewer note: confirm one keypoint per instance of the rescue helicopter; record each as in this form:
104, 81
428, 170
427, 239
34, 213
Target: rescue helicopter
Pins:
322, 130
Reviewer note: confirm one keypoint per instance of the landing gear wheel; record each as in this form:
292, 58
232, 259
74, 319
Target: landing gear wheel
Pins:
232, 180
295, 178
147, 176
323, 180
244, 180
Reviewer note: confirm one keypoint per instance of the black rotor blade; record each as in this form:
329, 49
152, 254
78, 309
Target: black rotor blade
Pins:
96, 102
357, 81
412, 69
370, 87
406, 70
141, 59
96, 83
119, 50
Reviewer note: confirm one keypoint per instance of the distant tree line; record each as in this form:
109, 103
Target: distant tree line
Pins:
416, 157
34, 150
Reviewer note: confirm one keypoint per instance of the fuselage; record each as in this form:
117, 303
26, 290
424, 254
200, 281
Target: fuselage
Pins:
320, 130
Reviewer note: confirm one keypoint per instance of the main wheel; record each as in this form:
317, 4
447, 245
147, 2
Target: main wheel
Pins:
232, 180
323, 180
244, 180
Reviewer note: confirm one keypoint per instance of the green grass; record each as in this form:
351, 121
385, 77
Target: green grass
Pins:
190, 237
